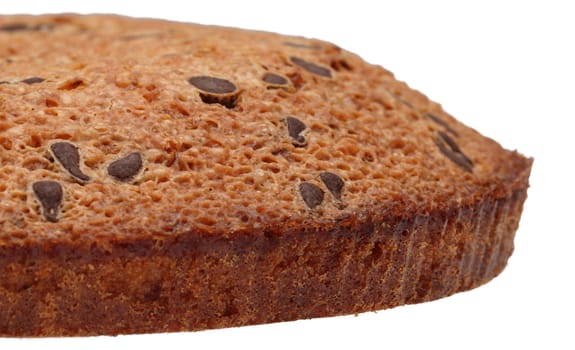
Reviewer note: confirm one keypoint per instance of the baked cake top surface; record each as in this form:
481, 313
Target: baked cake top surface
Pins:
120, 127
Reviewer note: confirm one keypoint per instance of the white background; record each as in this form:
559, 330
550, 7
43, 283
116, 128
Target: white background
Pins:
504, 68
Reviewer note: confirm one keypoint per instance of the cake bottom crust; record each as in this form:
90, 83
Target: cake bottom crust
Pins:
193, 283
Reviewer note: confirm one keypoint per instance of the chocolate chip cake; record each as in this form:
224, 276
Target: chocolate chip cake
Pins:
159, 177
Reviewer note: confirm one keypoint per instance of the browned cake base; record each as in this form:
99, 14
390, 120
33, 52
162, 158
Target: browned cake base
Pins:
160, 177
191, 282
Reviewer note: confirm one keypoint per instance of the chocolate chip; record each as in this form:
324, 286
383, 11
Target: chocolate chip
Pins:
212, 85
452, 151
442, 123
295, 129
14, 27
311, 194
215, 90
33, 80
312, 67
67, 154
126, 168
19, 27
50, 195
275, 79
333, 182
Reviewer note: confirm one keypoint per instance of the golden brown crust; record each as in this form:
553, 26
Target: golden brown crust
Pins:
215, 177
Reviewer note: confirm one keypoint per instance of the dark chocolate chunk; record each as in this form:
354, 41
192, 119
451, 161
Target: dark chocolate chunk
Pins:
215, 90
15, 27
452, 151
442, 123
50, 194
212, 85
333, 182
312, 67
295, 130
311, 194
20, 27
33, 80
275, 79
67, 154
126, 168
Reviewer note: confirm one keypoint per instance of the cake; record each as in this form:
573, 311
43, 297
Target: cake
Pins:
159, 176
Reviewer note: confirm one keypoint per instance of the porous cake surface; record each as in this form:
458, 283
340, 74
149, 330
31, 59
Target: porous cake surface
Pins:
148, 164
